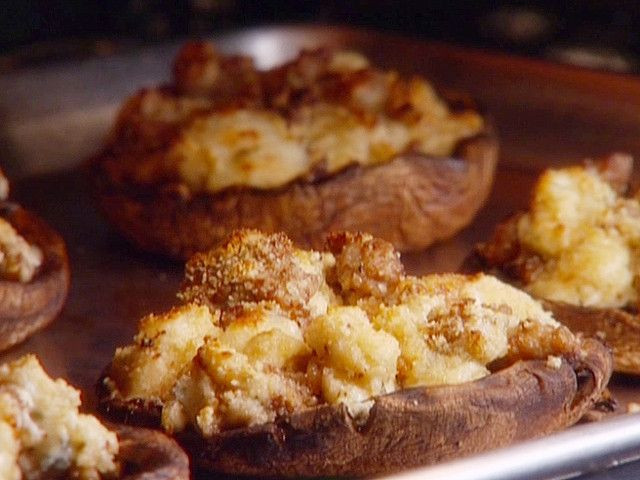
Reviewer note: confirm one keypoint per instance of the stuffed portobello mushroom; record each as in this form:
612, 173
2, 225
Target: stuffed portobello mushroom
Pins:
34, 271
280, 361
326, 142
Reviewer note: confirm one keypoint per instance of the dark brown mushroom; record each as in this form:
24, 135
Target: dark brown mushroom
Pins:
149, 455
413, 200
617, 328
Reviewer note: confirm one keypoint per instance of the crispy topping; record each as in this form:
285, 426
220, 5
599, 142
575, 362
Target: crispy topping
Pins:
250, 267
365, 266
162, 349
199, 70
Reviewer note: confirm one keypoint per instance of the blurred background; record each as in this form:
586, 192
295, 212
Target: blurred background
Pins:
593, 33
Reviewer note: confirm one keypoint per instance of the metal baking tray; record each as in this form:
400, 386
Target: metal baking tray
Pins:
54, 116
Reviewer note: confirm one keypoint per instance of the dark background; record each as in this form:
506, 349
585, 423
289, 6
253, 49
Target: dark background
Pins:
594, 33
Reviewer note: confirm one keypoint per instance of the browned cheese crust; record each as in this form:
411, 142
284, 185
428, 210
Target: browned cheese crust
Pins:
28, 307
411, 200
149, 455
504, 256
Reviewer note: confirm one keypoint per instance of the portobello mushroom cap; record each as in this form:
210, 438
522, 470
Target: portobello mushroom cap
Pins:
149, 455
407, 428
617, 328
28, 307
412, 201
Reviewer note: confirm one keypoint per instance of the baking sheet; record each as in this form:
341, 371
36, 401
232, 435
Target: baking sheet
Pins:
54, 116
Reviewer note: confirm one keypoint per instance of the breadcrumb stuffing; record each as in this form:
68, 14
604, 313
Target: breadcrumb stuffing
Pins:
633, 407
356, 361
365, 266
250, 267
164, 346
291, 329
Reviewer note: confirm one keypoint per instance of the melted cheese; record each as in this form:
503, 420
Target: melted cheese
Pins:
9, 453
588, 238
242, 147
450, 327
356, 360
335, 137
243, 376
41, 432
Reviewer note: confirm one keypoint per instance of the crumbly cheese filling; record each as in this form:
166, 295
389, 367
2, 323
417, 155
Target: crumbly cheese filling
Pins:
239, 127
19, 260
588, 238
42, 435
268, 330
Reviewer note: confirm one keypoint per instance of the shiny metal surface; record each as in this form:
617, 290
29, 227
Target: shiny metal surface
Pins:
581, 449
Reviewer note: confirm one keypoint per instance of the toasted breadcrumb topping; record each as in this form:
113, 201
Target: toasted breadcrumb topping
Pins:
42, 435
223, 123
250, 267
268, 330
587, 238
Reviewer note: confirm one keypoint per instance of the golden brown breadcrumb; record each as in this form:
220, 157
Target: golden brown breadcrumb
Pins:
200, 70
535, 340
250, 268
